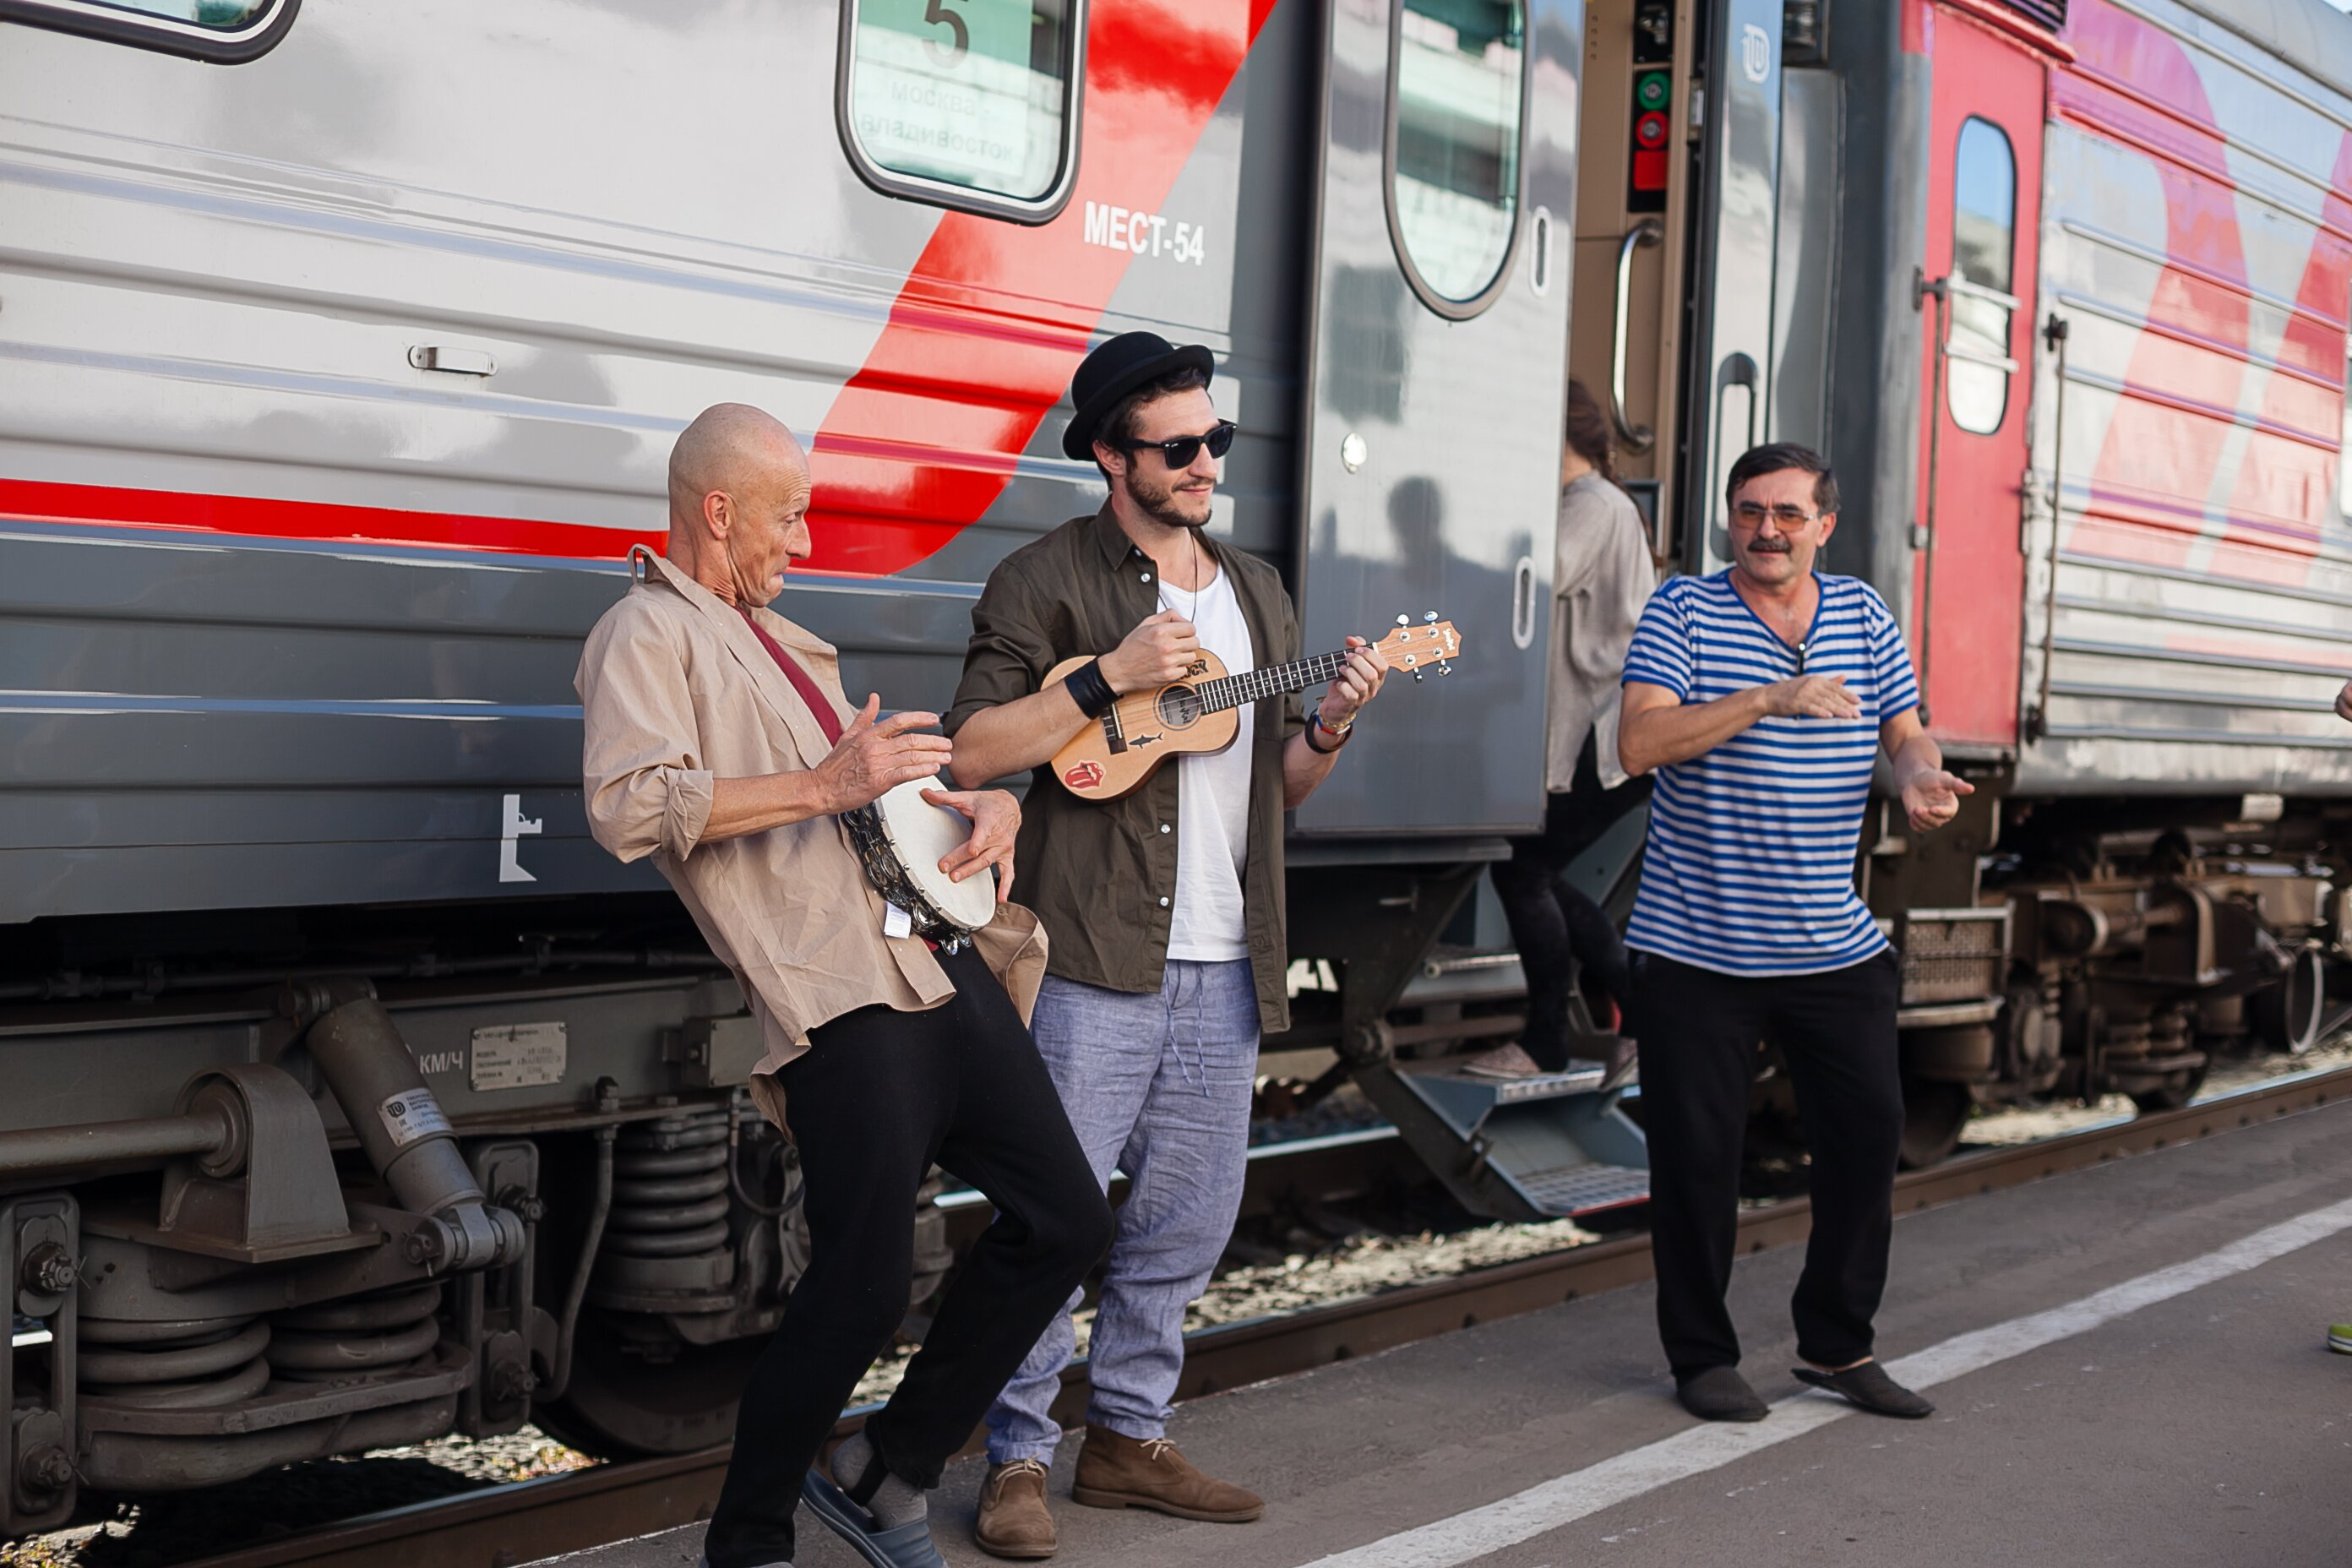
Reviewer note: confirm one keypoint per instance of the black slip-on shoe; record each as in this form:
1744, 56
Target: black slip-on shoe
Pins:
1869, 1387
1720, 1394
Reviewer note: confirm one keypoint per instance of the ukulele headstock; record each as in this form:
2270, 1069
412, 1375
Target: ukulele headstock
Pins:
1417, 648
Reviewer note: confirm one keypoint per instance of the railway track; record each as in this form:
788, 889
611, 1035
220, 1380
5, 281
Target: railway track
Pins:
503, 1526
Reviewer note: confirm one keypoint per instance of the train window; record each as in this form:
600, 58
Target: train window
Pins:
226, 31
1456, 118
967, 103
1984, 246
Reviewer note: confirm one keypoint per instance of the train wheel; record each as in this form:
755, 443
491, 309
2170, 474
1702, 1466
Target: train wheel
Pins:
1933, 1117
2287, 1014
2174, 1092
621, 1403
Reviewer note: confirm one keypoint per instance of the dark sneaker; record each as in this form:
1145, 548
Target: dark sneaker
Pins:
907, 1546
1624, 1062
1869, 1387
1720, 1394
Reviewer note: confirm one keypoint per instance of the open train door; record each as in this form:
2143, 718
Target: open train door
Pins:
1728, 394
1435, 348
1984, 183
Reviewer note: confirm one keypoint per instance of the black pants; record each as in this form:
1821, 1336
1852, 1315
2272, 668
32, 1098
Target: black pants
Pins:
1557, 928
879, 1098
1699, 1031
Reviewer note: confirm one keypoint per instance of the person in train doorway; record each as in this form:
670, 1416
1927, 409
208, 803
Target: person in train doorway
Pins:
719, 742
1601, 576
1758, 697
1165, 907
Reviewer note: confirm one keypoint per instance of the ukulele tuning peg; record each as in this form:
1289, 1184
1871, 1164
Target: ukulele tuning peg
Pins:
1431, 617
1443, 668
1404, 620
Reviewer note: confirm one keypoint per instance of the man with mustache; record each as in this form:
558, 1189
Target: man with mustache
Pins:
1165, 907
1758, 697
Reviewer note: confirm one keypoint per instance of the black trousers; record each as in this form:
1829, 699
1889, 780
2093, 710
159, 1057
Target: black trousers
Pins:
1557, 928
879, 1098
1699, 1031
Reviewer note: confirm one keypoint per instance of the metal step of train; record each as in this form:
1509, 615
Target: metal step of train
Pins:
1547, 1147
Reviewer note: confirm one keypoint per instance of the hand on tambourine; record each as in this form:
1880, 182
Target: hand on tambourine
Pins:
995, 818
870, 760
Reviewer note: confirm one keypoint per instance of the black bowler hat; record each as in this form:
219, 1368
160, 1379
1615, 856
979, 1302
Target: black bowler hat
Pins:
1129, 361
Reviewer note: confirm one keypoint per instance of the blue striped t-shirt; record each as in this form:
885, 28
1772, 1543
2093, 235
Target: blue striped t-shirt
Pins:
1748, 869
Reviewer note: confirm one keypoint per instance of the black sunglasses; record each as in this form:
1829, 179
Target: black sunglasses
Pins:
1180, 453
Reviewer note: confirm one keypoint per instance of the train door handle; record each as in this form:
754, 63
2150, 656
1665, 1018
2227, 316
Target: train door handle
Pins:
1523, 601
1738, 370
1640, 237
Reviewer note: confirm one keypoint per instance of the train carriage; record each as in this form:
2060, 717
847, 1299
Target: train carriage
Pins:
354, 1096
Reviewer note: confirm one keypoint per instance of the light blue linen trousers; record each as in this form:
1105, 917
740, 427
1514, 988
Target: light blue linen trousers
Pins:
1156, 1086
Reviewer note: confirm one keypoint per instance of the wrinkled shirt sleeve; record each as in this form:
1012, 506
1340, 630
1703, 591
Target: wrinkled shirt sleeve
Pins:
1009, 650
642, 780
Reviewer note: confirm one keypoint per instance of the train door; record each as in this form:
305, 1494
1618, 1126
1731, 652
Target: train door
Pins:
1633, 232
1431, 421
1984, 151
1727, 397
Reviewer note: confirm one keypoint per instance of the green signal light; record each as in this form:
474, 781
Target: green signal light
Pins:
1650, 89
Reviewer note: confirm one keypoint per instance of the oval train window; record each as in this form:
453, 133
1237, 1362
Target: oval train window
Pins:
1984, 247
967, 103
228, 32
1456, 92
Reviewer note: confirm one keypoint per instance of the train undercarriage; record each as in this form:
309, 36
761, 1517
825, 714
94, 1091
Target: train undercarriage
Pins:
2072, 949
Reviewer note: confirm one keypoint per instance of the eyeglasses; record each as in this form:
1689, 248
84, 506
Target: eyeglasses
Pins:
1750, 514
1180, 452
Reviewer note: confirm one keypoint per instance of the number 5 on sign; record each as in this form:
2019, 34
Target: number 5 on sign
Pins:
939, 14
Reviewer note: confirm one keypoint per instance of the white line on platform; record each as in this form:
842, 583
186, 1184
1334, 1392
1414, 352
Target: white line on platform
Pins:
1466, 1537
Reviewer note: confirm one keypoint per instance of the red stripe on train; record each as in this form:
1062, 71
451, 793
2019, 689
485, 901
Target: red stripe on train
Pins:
995, 317
317, 521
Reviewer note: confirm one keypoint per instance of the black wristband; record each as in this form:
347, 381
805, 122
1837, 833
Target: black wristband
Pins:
1090, 690
1314, 722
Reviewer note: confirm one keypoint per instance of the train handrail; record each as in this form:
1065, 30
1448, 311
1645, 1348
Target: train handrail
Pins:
1640, 237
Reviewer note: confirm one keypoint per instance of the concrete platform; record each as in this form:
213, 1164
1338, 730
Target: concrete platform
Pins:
2130, 1365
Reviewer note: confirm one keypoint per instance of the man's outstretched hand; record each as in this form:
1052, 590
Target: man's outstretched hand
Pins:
1932, 798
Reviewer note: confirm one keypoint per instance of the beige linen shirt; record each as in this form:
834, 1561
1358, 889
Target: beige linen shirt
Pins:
1601, 576
678, 692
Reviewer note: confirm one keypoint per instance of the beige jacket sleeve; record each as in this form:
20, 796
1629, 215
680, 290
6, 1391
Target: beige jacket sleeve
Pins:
645, 786
1626, 578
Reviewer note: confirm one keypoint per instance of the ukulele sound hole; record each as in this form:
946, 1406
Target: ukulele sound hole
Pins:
1180, 707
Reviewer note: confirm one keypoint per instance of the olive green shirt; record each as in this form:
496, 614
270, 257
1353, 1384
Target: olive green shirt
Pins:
1102, 874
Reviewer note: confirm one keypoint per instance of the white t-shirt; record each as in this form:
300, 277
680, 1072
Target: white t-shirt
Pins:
1213, 795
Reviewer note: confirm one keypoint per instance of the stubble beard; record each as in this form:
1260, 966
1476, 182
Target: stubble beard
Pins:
1159, 502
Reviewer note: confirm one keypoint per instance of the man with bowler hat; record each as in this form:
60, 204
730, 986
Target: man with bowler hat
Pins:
1164, 909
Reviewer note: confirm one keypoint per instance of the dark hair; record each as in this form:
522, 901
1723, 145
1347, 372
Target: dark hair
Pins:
1589, 436
1118, 425
1778, 457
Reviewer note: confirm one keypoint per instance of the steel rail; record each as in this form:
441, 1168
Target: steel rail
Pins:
501, 1526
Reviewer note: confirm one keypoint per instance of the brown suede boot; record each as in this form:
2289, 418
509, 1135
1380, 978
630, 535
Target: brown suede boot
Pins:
1014, 1520
1116, 1471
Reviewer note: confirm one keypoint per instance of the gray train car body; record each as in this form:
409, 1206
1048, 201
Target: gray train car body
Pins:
343, 347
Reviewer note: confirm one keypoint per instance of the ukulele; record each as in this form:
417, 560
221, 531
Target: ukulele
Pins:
1113, 754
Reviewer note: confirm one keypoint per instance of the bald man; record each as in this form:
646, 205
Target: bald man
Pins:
720, 742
